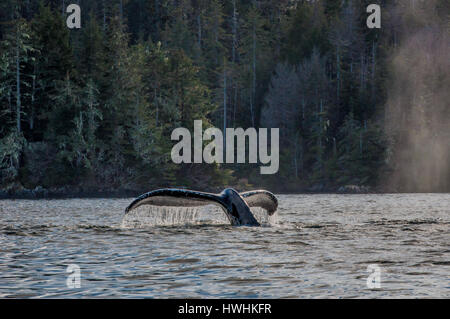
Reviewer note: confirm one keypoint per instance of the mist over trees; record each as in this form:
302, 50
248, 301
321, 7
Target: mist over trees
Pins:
94, 108
418, 101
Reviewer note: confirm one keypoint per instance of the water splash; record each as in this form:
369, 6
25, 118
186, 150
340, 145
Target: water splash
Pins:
148, 216
264, 218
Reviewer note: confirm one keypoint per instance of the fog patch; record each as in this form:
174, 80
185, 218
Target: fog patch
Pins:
417, 113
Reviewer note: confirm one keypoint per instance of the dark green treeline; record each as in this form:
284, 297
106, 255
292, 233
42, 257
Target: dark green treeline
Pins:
95, 107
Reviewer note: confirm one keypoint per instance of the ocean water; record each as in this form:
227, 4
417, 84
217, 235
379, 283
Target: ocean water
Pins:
316, 246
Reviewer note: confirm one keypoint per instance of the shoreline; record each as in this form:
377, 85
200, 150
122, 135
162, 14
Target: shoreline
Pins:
119, 194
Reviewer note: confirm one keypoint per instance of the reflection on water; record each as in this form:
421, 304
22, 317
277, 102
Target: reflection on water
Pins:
320, 246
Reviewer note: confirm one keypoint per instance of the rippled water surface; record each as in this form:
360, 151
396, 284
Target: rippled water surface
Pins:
318, 246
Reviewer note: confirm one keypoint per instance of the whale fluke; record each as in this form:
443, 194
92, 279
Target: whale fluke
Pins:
261, 198
236, 206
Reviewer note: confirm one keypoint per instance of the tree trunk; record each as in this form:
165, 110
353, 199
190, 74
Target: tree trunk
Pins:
157, 108
338, 75
303, 110
373, 71
104, 15
253, 74
233, 56
234, 31
199, 32
301, 157
296, 155
224, 103
235, 104
33, 92
320, 134
362, 74
121, 11
360, 142
18, 97
334, 147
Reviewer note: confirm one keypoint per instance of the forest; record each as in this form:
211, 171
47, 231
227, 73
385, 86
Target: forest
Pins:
91, 110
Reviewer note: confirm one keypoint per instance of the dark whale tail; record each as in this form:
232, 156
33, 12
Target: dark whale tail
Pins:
236, 206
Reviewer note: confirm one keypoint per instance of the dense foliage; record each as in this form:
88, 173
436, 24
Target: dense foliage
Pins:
95, 107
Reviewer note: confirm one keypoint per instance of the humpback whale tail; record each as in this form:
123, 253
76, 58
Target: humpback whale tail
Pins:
236, 206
